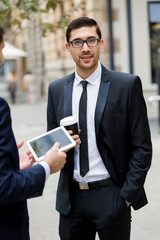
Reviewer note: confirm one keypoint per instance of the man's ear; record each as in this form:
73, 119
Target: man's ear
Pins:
101, 44
67, 47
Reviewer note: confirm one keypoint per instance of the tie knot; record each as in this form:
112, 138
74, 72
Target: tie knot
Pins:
84, 83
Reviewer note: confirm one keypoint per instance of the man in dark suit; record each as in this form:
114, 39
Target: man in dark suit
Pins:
17, 185
104, 177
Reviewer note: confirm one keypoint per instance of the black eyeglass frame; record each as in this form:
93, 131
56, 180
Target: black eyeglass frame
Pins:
85, 41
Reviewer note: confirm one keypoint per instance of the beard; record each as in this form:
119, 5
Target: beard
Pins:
87, 65
1, 63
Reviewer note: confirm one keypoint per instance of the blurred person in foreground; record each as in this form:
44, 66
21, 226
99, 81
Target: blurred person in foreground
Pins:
100, 183
19, 180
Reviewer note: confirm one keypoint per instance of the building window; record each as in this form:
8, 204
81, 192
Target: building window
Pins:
154, 27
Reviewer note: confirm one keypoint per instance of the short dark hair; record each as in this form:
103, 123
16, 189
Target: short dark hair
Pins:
82, 22
1, 33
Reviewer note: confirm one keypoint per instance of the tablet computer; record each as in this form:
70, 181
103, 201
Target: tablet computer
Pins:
41, 144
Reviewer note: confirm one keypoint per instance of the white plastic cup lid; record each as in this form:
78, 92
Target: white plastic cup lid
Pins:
68, 121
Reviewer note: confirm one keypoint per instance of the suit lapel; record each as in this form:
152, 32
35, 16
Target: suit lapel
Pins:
101, 101
68, 88
102, 98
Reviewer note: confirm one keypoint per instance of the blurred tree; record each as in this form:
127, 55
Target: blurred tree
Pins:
13, 12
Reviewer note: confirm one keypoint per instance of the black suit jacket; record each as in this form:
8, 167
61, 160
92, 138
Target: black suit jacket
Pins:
15, 185
122, 134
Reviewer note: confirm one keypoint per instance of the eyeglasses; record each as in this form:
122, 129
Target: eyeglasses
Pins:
78, 43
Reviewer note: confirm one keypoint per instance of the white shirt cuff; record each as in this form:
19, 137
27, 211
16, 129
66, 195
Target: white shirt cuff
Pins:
46, 168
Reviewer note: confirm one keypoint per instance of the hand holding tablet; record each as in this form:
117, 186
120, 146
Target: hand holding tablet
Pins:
55, 159
41, 144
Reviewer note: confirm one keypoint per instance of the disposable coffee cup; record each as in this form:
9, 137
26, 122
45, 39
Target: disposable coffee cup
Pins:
70, 123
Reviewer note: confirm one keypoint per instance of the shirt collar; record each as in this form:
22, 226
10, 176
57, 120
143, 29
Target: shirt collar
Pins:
92, 79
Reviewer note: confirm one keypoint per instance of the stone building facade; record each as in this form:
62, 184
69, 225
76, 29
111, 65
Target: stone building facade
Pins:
126, 30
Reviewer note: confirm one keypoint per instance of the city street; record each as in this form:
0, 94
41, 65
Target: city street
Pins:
30, 121
115, 43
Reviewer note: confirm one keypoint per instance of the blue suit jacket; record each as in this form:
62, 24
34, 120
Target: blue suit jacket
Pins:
15, 185
122, 134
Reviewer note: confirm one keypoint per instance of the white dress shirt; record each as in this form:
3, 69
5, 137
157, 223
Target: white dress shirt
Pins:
97, 170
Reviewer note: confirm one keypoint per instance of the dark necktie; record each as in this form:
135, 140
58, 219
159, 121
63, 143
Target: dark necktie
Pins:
84, 164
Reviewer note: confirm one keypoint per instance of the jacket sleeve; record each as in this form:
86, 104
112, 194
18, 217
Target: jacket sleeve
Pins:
51, 114
15, 184
141, 146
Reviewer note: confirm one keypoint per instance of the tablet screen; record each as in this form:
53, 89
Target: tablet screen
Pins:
41, 144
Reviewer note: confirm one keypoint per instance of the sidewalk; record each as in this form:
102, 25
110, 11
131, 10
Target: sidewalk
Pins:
30, 121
